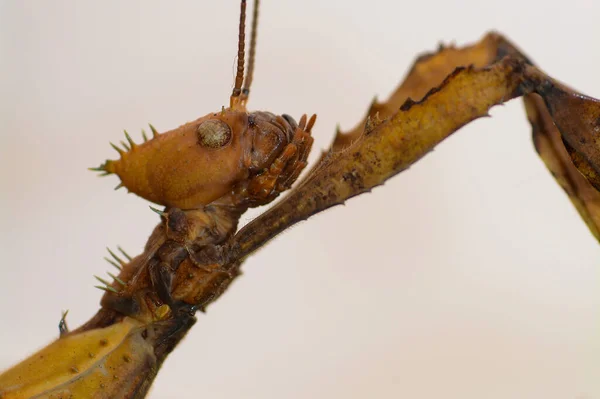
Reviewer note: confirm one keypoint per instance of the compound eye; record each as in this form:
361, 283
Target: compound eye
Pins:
290, 120
213, 133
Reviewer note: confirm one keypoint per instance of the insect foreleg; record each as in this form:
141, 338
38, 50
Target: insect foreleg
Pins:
285, 169
162, 279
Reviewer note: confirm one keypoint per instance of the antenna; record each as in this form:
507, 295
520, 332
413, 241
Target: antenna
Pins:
251, 56
239, 77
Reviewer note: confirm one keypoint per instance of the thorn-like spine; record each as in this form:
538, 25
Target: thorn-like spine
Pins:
161, 213
124, 253
154, 131
117, 279
120, 151
338, 130
112, 262
98, 169
121, 262
368, 124
63, 328
119, 186
131, 142
103, 281
144, 136
124, 144
107, 289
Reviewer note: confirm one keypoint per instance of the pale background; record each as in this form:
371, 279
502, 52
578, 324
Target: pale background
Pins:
469, 276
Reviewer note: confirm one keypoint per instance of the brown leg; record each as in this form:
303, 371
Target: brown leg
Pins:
162, 279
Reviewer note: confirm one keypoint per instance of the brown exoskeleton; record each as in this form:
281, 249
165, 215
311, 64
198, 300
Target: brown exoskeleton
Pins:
207, 172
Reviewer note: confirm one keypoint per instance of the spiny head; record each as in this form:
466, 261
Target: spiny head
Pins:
203, 160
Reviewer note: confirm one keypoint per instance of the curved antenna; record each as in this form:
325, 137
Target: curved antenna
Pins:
239, 77
251, 56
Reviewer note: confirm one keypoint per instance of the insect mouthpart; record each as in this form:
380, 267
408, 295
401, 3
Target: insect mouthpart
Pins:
270, 135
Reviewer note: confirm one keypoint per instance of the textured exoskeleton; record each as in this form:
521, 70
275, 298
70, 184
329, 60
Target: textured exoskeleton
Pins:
203, 161
206, 173
103, 363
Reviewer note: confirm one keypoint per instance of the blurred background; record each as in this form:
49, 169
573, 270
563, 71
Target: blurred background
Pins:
468, 276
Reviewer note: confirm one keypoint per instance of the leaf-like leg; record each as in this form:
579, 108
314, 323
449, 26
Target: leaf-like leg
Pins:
577, 118
399, 132
390, 146
429, 71
549, 145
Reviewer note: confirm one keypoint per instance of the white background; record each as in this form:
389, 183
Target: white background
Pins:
468, 276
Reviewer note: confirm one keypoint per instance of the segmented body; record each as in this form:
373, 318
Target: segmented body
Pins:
185, 260
150, 304
205, 173
190, 260
173, 271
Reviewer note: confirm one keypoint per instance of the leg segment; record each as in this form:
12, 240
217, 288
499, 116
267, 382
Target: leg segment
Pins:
161, 276
285, 169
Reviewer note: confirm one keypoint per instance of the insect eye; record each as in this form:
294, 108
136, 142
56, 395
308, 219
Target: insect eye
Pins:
290, 120
213, 133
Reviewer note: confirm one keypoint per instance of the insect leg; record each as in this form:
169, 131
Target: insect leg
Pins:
286, 168
161, 276
211, 259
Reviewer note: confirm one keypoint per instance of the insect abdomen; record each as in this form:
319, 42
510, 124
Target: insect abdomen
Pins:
111, 362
